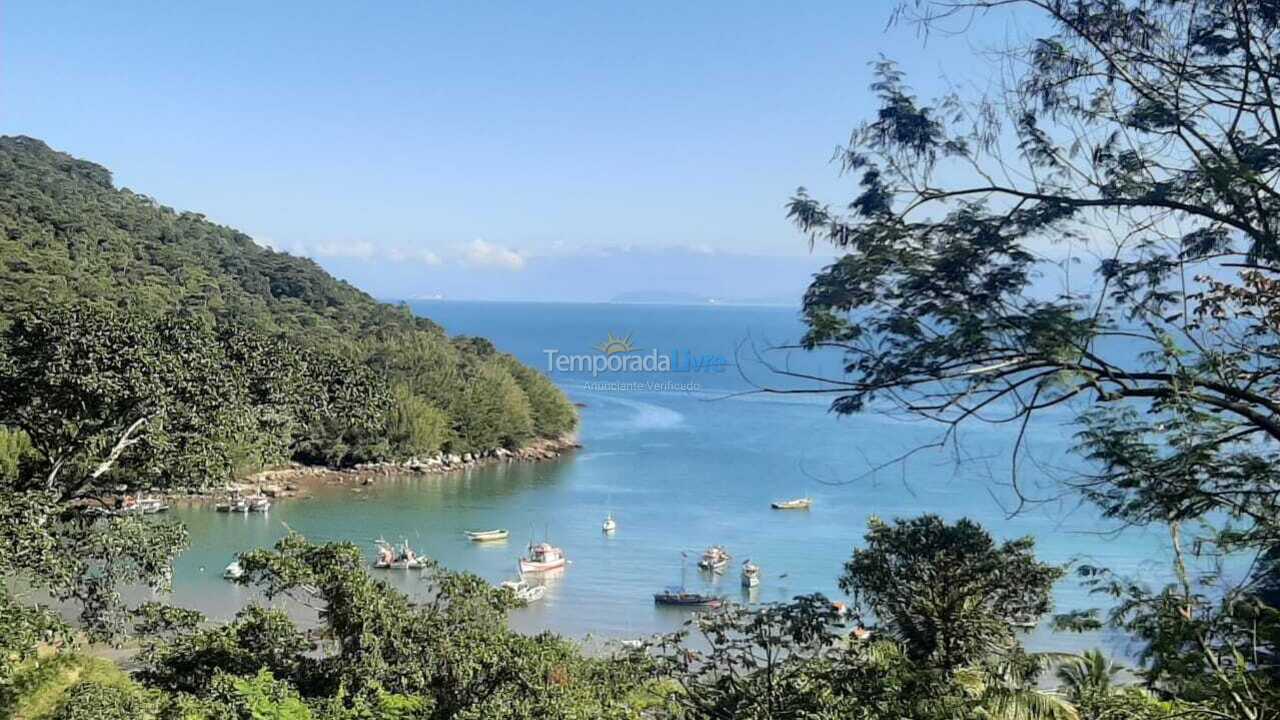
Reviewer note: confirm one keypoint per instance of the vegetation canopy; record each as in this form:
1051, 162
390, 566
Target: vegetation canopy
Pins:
1098, 234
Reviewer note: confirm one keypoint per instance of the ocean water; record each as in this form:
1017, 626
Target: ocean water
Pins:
687, 456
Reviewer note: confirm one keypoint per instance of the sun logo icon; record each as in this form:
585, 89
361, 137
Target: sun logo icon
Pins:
613, 345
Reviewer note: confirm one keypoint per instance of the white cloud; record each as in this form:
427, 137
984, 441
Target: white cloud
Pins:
485, 254
362, 249
426, 257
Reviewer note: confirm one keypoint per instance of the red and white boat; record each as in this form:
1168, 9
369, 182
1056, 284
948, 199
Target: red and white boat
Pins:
542, 557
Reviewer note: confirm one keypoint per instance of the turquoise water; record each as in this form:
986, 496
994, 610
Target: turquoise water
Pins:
681, 470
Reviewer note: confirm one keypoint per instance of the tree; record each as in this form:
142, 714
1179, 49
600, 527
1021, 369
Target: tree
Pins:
773, 662
497, 411
451, 655
181, 655
106, 398
1091, 673
948, 592
786, 660
551, 412
416, 428
93, 701
1144, 134
109, 397
15, 449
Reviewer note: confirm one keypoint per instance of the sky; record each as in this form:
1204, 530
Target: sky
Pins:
479, 150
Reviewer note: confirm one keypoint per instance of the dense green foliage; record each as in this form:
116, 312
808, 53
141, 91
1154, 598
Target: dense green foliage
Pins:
948, 592
70, 239
451, 656
380, 656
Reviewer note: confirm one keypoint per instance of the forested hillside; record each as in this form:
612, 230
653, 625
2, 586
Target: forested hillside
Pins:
318, 370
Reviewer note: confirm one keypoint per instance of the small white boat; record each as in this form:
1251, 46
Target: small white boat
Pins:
803, 503
233, 571
142, 506
609, 524
258, 503
523, 591
750, 574
541, 558
486, 535
233, 504
404, 559
715, 559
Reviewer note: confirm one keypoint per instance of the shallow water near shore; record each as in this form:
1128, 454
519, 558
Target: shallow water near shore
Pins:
681, 470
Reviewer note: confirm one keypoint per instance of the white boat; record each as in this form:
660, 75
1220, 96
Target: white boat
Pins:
142, 506
541, 558
233, 571
803, 503
233, 504
258, 503
523, 591
487, 535
715, 559
750, 574
609, 524
404, 559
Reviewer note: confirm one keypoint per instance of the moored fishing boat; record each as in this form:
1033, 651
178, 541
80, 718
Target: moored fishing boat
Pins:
542, 557
803, 503
486, 535
141, 505
258, 503
750, 574
403, 559
523, 591
715, 559
609, 524
681, 596
684, 598
233, 571
233, 504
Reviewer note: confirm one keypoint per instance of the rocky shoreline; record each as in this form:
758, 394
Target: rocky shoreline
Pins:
290, 481
294, 480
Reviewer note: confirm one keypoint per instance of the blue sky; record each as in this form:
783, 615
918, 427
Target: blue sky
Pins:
551, 151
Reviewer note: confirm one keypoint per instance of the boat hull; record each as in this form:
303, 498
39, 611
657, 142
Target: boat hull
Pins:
399, 566
529, 566
488, 536
690, 602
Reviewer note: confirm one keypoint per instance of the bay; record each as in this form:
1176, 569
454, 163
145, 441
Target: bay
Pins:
686, 455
